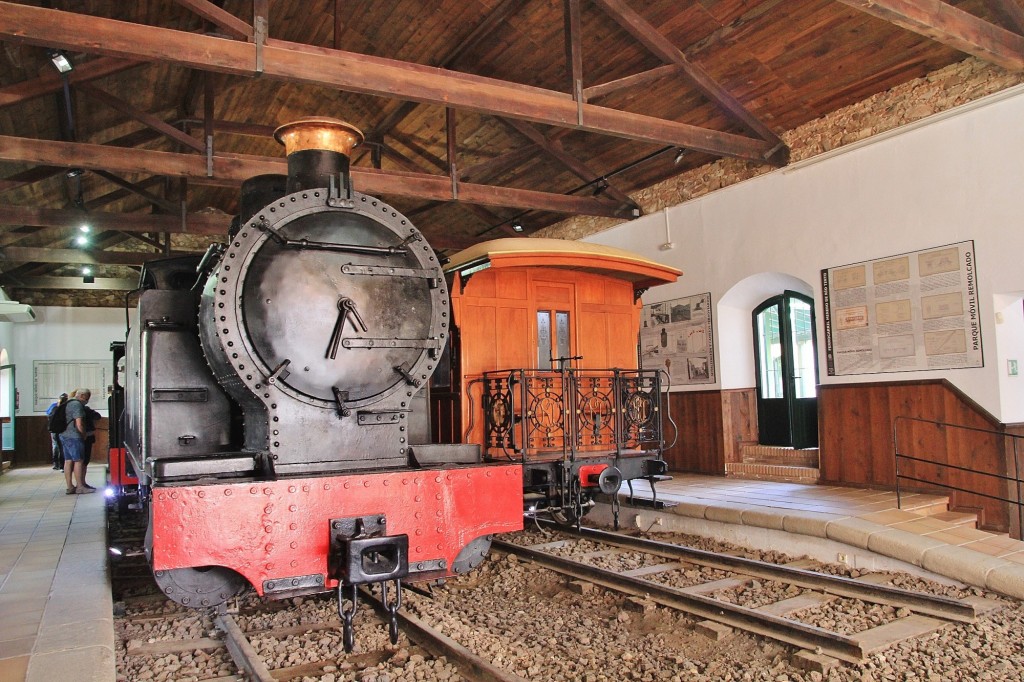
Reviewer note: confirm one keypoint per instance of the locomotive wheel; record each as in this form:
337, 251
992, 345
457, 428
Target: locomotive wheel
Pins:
199, 587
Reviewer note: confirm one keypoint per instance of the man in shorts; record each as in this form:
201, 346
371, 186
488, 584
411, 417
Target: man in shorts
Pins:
72, 439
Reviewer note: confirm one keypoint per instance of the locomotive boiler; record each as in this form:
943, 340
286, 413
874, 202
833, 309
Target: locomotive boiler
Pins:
276, 400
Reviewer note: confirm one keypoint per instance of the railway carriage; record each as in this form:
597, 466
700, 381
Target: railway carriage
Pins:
546, 370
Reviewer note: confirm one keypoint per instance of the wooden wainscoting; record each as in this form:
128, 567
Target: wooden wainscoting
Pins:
712, 425
32, 441
856, 423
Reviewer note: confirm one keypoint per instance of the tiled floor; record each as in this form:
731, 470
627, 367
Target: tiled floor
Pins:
55, 609
923, 515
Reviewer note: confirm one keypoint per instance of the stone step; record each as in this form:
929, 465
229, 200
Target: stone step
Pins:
770, 454
932, 507
962, 519
771, 472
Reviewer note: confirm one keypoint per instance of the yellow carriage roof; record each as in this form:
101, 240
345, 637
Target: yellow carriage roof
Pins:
564, 254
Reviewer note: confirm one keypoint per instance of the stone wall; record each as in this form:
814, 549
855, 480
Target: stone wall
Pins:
940, 90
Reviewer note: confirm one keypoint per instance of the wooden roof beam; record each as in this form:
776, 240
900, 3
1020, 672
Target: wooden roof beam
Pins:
193, 223
950, 26
52, 82
26, 254
556, 151
149, 120
238, 167
138, 190
225, 20
649, 36
99, 283
635, 80
293, 62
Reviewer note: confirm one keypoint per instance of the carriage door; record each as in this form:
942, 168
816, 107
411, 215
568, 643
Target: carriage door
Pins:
787, 375
554, 303
546, 399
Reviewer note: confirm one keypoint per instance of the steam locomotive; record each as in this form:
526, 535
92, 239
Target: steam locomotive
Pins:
275, 407
319, 404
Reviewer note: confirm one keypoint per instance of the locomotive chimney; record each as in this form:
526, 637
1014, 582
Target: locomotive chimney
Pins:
318, 149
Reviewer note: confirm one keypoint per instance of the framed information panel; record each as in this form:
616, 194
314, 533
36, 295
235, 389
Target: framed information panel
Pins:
913, 311
50, 378
676, 336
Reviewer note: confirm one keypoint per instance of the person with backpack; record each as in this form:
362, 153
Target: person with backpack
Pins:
55, 424
72, 439
89, 422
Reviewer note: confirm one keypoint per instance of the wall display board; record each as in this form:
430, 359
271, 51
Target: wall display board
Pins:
909, 312
676, 336
50, 378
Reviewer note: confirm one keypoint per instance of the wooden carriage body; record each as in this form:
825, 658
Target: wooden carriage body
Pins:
545, 363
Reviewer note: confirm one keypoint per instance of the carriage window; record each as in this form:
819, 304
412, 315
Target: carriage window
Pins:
544, 339
548, 347
562, 335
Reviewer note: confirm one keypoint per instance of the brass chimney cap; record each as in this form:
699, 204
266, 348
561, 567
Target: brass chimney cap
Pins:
318, 132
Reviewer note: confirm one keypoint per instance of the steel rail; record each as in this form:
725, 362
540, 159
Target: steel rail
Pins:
750, 620
932, 605
470, 665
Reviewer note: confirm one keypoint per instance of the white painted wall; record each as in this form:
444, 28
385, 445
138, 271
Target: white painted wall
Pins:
63, 334
956, 176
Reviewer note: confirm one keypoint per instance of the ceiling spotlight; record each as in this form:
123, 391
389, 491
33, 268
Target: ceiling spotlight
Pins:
87, 276
75, 172
517, 226
601, 186
86, 270
85, 228
679, 156
61, 61
82, 240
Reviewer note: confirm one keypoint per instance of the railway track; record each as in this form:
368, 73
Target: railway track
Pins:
244, 647
918, 614
152, 627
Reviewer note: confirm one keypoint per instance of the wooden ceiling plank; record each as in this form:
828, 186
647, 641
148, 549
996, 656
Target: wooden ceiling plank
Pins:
194, 223
52, 82
146, 119
26, 254
476, 36
227, 21
353, 72
950, 26
649, 36
1010, 14
239, 167
635, 80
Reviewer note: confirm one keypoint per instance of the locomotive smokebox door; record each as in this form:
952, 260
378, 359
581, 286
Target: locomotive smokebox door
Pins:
362, 553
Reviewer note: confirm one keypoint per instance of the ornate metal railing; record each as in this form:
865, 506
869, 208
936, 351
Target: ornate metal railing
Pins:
530, 412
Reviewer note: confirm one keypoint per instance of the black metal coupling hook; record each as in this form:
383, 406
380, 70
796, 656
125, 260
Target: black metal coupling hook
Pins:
347, 616
392, 608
